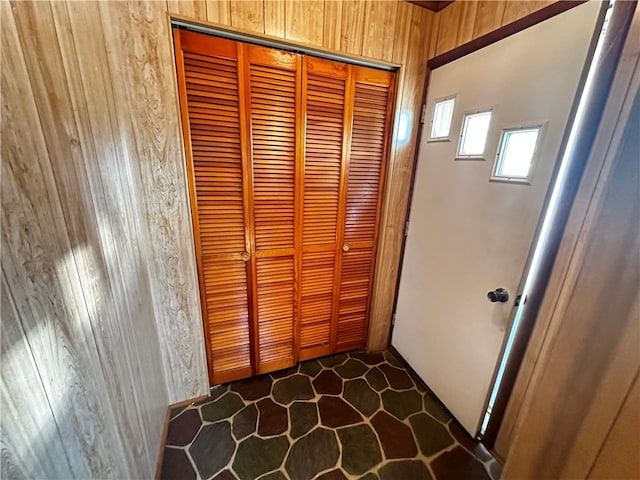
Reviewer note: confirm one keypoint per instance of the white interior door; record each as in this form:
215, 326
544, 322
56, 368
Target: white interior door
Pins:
469, 235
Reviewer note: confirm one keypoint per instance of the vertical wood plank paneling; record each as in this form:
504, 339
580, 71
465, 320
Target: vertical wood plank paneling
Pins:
398, 179
352, 26
467, 20
146, 90
379, 29
30, 442
332, 37
51, 262
305, 21
190, 8
488, 16
515, 10
248, 15
275, 17
448, 35
219, 11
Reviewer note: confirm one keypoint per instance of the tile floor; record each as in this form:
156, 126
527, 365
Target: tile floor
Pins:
354, 415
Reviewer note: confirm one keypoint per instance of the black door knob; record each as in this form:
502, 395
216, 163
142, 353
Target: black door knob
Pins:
498, 295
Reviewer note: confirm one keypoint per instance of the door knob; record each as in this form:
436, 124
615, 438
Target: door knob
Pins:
498, 295
345, 247
245, 256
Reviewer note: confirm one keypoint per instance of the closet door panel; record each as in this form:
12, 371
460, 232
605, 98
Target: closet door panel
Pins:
211, 103
324, 91
373, 92
272, 78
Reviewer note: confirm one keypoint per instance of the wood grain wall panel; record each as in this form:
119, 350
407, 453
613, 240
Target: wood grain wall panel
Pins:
248, 15
332, 28
450, 18
398, 179
190, 8
219, 11
30, 442
488, 16
352, 34
148, 117
379, 29
467, 20
305, 21
515, 10
275, 18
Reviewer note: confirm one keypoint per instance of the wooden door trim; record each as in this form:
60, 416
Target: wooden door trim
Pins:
503, 32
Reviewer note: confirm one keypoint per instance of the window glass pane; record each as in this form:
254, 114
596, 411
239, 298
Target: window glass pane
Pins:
516, 153
474, 134
442, 113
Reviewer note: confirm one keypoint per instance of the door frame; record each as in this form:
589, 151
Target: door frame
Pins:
575, 168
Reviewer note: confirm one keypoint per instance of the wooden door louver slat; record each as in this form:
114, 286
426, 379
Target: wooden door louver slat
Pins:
286, 161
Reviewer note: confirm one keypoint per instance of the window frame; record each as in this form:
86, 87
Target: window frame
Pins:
435, 102
465, 115
541, 127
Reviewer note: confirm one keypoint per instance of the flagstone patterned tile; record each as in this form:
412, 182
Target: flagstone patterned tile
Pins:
354, 415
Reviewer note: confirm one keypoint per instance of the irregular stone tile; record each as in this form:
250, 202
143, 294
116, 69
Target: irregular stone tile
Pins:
277, 475
402, 404
244, 423
369, 476
183, 428
224, 407
212, 449
359, 394
436, 408
310, 367
474, 446
273, 418
253, 388
391, 358
303, 417
332, 475
335, 412
495, 469
334, 360
175, 464
312, 454
409, 469
360, 449
225, 475
175, 411
373, 358
296, 387
284, 373
257, 456
431, 435
458, 464
351, 369
328, 382
215, 392
376, 379
396, 377
395, 437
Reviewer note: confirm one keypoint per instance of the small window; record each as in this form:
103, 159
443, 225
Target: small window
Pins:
516, 154
473, 138
441, 121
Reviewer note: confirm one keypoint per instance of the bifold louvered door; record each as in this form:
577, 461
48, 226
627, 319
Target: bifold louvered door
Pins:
285, 157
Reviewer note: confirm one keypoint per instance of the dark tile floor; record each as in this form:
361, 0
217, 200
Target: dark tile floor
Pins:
354, 415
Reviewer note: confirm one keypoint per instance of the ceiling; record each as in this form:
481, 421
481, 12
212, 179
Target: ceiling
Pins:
435, 6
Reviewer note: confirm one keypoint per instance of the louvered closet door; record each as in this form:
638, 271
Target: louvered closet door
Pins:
212, 114
272, 78
372, 93
324, 87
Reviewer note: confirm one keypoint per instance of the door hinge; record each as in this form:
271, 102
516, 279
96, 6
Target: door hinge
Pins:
424, 113
406, 228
